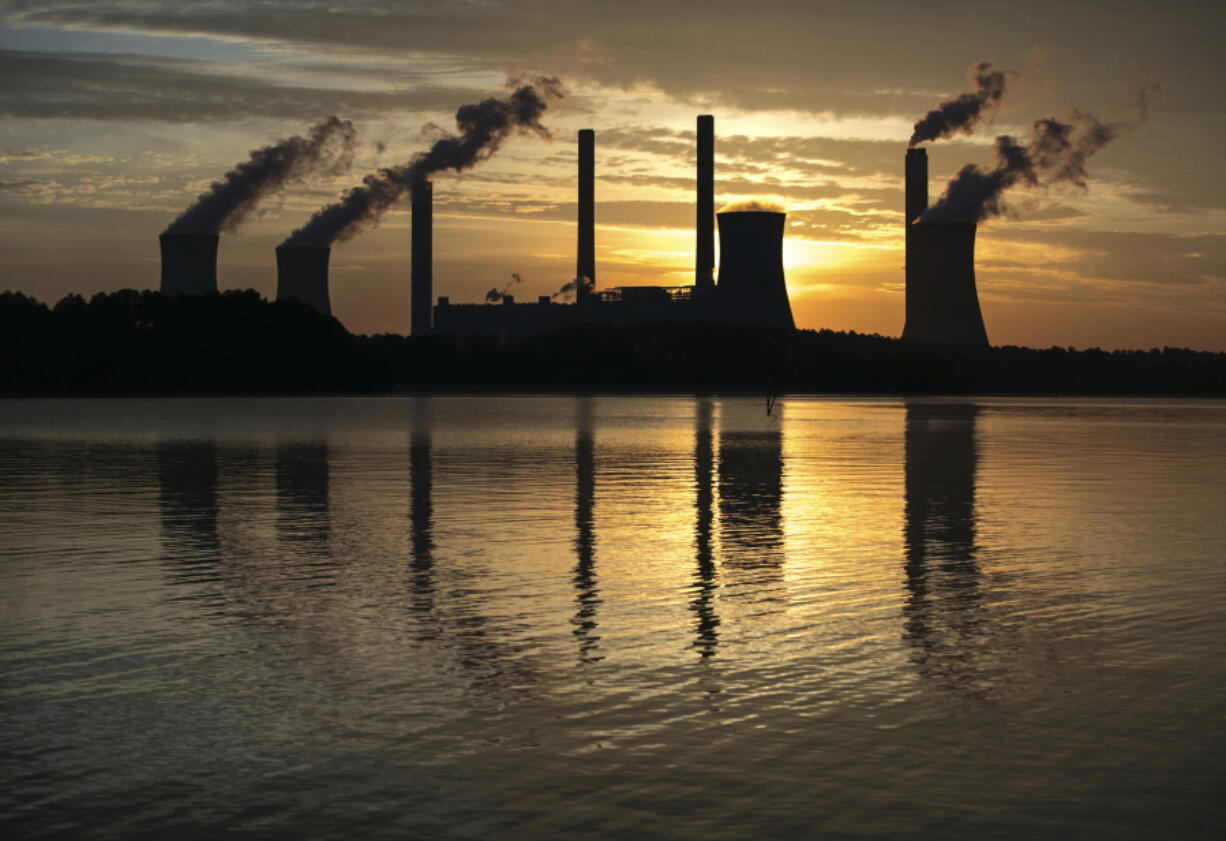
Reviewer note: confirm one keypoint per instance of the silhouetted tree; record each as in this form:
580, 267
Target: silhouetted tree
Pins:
235, 342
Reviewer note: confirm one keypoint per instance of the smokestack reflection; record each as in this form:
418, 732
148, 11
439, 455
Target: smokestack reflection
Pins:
587, 596
751, 502
704, 263
421, 507
943, 574
302, 495
705, 583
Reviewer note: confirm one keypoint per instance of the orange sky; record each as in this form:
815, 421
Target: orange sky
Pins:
118, 115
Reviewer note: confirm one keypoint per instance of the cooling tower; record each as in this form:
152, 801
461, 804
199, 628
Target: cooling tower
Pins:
751, 287
189, 264
422, 281
585, 265
302, 273
942, 303
704, 263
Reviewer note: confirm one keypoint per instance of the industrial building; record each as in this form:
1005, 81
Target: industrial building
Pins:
751, 288
942, 302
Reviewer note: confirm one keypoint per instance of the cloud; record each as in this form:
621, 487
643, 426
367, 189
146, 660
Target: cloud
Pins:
1129, 257
27, 186
103, 86
812, 156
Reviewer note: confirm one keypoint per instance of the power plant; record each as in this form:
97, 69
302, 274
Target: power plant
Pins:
751, 287
942, 302
748, 287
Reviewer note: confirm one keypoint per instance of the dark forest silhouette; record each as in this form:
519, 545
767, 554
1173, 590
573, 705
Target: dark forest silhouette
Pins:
235, 342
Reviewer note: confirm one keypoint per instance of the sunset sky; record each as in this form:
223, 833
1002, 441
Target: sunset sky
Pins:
115, 115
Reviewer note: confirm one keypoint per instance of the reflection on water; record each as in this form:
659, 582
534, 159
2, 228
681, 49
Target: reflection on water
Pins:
751, 510
421, 510
677, 603
705, 581
587, 596
943, 576
188, 506
302, 495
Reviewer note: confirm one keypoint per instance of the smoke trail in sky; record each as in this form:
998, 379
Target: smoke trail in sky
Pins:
327, 147
495, 295
570, 287
483, 128
964, 112
1056, 153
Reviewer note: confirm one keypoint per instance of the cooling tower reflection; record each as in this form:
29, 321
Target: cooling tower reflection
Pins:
302, 495
750, 507
188, 510
942, 573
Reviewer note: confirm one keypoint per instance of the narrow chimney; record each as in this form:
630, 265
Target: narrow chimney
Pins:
704, 265
586, 263
422, 280
917, 184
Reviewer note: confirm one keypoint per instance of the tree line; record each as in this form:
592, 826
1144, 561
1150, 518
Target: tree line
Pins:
235, 342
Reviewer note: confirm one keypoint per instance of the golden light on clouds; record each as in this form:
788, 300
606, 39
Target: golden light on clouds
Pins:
754, 206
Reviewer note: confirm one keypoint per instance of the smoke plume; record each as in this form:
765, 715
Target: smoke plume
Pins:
964, 112
495, 295
568, 289
327, 147
976, 193
483, 127
1056, 153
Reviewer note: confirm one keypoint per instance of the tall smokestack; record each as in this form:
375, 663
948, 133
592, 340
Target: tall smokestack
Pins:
942, 302
917, 183
189, 263
704, 266
302, 273
422, 282
586, 263
752, 289
915, 203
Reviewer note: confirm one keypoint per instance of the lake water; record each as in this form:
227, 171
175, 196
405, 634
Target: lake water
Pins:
539, 617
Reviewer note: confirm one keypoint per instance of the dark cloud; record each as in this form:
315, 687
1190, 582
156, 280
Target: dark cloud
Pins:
1118, 256
820, 223
1048, 212
103, 86
772, 54
810, 155
797, 190
23, 186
